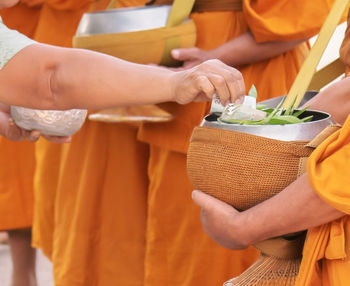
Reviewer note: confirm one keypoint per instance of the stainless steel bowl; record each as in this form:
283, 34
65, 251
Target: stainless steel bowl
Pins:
50, 122
123, 20
273, 102
290, 132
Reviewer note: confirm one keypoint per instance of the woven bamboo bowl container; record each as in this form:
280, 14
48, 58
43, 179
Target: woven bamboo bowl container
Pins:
244, 165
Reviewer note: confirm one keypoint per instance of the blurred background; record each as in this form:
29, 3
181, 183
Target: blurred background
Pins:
44, 270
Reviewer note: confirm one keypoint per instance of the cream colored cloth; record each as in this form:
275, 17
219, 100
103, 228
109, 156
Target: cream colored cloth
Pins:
11, 42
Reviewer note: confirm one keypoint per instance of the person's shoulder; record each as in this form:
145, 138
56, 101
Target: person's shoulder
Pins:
11, 42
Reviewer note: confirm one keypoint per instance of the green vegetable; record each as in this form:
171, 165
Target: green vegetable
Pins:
284, 119
261, 106
275, 116
307, 119
300, 111
290, 108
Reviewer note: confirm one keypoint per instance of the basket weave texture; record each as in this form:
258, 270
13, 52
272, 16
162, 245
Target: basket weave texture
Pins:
242, 169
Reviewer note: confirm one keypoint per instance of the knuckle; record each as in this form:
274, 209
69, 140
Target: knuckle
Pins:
214, 61
237, 75
227, 74
201, 79
220, 80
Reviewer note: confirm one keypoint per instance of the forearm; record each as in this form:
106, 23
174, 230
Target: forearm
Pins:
244, 50
57, 78
294, 209
108, 81
335, 100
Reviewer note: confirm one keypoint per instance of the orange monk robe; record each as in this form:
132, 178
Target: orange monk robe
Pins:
90, 208
17, 161
55, 26
178, 252
23, 17
326, 255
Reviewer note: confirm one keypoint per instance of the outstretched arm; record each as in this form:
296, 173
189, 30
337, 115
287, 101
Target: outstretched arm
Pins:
335, 100
296, 208
48, 77
242, 50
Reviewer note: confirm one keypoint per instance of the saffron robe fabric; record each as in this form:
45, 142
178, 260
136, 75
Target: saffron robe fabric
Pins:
102, 186
177, 251
326, 255
90, 211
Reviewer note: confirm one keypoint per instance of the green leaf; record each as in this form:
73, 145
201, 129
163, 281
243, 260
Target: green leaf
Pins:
277, 111
301, 111
307, 119
260, 106
275, 116
234, 121
284, 119
268, 110
253, 92
290, 108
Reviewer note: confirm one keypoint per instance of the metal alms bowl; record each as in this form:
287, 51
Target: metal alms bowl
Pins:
50, 122
123, 20
289, 132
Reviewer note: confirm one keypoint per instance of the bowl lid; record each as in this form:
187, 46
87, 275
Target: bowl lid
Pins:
123, 20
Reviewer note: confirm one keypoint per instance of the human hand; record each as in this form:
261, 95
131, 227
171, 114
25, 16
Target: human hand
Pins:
14, 133
57, 139
222, 222
207, 80
190, 57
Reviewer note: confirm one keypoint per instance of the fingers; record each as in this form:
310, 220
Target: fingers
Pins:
203, 81
210, 85
227, 82
13, 132
199, 198
206, 88
16, 133
220, 88
57, 139
33, 136
235, 82
207, 202
184, 54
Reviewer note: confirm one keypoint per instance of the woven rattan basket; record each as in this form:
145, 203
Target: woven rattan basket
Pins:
236, 164
244, 165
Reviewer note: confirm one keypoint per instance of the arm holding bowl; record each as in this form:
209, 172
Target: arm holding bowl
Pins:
301, 205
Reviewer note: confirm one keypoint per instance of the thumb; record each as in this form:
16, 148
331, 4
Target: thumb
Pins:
12, 131
183, 54
206, 202
34, 135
